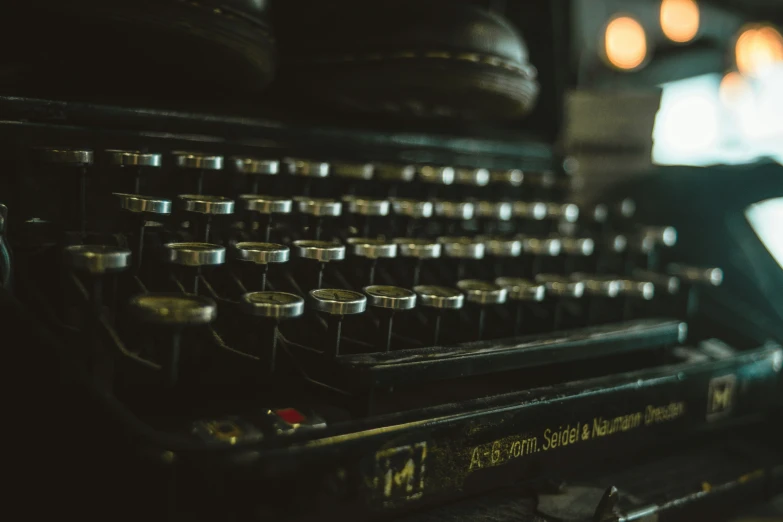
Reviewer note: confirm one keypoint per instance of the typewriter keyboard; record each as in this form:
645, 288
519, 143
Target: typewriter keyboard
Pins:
201, 281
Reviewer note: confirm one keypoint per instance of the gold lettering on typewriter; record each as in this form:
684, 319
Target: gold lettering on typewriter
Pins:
564, 435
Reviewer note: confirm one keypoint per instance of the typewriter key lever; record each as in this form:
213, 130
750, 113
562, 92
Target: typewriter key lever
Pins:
388, 300
140, 207
266, 207
135, 161
482, 294
79, 160
262, 254
520, 292
438, 299
193, 257
317, 209
255, 168
198, 163
97, 262
206, 207
693, 279
320, 251
372, 250
271, 308
335, 304
418, 250
172, 313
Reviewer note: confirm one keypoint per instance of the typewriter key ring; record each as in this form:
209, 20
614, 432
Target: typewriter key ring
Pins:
198, 163
371, 250
76, 161
172, 314
135, 161
266, 207
387, 300
254, 168
482, 294
322, 252
140, 207
521, 292
262, 254
335, 304
317, 209
419, 250
205, 208
96, 262
271, 308
438, 299
194, 257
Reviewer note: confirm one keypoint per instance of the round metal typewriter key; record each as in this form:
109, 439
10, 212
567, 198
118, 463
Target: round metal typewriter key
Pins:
372, 250
265, 207
562, 290
625, 209
598, 285
392, 172
436, 175
497, 210
482, 294
97, 259
473, 177
576, 250
135, 160
502, 247
208, 206
336, 304
409, 212
254, 168
535, 211
388, 300
368, 207
261, 254
648, 243
173, 313
412, 208
265, 204
317, 209
438, 299
97, 262
141, 207
271, 308
359, 171
512, 177
462, 247
535, 250
198, 163
502, 250
521, 292
65, 155
365, 209
320, 251
567, 212
417, 250
307, 168
202, 204
144, 204
78, 160
693, 279
664, 284
459, 210
195, 256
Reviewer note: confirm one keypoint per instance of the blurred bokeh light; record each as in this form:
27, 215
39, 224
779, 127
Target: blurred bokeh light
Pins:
758, 49
625, 43
680, 20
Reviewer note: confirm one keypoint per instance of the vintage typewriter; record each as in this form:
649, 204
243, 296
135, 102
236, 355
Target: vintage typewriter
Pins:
282, 321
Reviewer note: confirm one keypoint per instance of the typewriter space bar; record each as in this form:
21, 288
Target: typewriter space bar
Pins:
478, 358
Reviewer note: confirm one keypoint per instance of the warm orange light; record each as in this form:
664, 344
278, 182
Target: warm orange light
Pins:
625, 43
733, 87
680, 20
758, 47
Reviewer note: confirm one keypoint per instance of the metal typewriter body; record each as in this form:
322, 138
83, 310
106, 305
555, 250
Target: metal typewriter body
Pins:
355, 400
